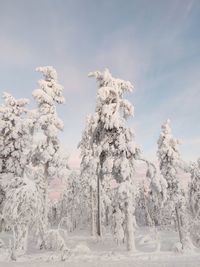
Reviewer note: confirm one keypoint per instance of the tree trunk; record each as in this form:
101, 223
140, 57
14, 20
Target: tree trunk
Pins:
99, 233
93, 228
20, 233
130, 242
107, 216
45, 218
179, 225
43, 224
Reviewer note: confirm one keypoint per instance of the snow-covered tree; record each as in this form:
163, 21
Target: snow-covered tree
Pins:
194, 189
70, 206
22, 207
194, 201
111, 145
15, 137
89, 174
15, 141
169, 162
156, 198
47, 152
118, 223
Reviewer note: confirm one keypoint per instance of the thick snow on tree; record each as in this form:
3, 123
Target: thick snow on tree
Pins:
194, 189
88, 180
169, 159
15, 136
169, 162
22, 207
69, 205
111, 145
156, 198
151, 196
15, 141
194, 201
47, 153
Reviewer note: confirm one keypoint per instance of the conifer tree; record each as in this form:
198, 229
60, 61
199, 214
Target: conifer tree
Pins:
170, 162
111, 145
48, 124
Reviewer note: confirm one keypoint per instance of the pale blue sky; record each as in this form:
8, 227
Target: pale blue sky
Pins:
154, 44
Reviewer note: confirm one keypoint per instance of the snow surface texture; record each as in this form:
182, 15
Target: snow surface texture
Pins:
86, 251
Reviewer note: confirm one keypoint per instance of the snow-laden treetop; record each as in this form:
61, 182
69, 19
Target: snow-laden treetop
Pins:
169, 159
12, 105
105, 79
167, 144
111, 108
50, 92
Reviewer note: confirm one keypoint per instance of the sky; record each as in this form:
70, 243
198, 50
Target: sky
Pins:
153, 44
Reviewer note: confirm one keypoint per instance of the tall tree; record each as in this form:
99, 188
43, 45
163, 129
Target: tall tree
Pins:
15, 153
15, 136
112, 147
89, 174
194, 201
15, 141
170, 162
49, 94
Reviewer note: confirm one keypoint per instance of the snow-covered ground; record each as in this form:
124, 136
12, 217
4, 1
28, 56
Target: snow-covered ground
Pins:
86, 251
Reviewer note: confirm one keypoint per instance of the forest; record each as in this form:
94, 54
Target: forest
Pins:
106, 202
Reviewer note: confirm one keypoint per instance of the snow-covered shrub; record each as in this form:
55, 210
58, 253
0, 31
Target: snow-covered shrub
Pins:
22, 206
82, 248
54, 240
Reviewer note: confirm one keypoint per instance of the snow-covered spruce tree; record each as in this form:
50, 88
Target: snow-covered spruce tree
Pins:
14, 136
70, 205
15, 140
194, 202
88, 174
156, 198
151, 196
142, 214
169, 162
112, 148
194, 189
46, 154
22, 207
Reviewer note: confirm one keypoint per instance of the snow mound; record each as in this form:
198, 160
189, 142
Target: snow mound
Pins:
54, 240
177, 247
147, 239
82, 248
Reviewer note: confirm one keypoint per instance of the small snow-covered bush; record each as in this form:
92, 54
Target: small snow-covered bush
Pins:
54, 240
177, 247
82, 248
21, 208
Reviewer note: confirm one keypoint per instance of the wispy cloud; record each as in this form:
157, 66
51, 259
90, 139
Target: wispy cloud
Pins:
154, 45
